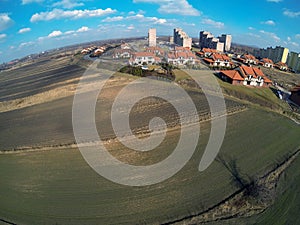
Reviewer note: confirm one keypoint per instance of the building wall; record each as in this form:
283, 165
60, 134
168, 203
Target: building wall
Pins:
207, 40
278, 54
293, 61
181, 38
152, 37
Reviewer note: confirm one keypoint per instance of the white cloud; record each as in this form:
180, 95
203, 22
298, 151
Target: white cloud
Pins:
55, 33
68, 4
290, 13
276, 1
213, 23
254, 35
26, 44
2, 36
180, 7
289, 38
5, 21
56, 14
24, 2
297, 36
270, 35
138, 17
113, 19
131, 27
251, 28
59, 34
24, 30
269, 22
83, 29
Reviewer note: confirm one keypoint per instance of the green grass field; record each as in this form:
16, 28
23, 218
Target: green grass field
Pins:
58, 187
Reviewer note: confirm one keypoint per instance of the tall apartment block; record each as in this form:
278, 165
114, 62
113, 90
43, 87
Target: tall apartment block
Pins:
181, 38
152, 37
277, 54
293, 61
222, 43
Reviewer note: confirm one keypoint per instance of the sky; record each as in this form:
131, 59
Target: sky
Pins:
33, 26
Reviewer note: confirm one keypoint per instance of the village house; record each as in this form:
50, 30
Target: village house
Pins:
281, 66
207, 52
245, 75
267, 63
144, 58
219, 60
295, 95
155, 50
249, 59
181, 56
122, 53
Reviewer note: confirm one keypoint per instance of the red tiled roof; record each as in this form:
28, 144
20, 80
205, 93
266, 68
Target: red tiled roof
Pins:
221, 57
258, 71
266, 60
248, 56
246, 70
233, 74
209, 50
281, 64
208, 60
144, 54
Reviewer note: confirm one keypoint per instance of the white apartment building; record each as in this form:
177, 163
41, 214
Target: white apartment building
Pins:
152, 37
182, 39
221, 44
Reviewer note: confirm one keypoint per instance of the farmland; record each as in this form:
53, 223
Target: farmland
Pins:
56, 186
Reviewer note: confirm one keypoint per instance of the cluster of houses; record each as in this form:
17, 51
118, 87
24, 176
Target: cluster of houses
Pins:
246, 75
94, 50
178, 56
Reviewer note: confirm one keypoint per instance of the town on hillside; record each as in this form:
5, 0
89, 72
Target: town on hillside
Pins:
254, 68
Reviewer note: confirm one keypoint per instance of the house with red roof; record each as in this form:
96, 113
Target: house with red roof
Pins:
295, 95
245, 75
207, 52
156, 50
281, 66
219, 60
122, 53
181, 56
249, 59
143, 58
267, 63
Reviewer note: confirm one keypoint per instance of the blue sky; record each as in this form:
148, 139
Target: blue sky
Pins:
32, 26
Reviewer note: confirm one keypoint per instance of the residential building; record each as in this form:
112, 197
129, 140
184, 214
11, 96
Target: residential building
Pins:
245, 75
143, 58
155, 50
295, 95
222, 43
281, 66
122, 53
226, 39
207, 52
267, 63
219, 60
248, 59
293, 61
181, 56
152, 37
182, 39
277, 54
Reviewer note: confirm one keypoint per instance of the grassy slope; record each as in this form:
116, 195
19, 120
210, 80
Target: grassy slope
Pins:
59, 187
